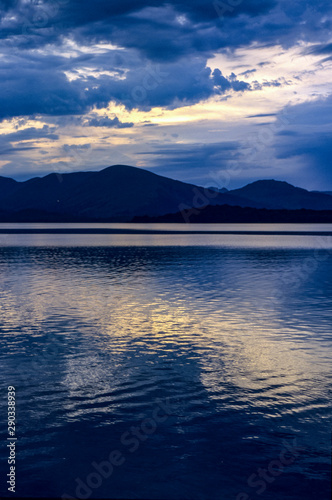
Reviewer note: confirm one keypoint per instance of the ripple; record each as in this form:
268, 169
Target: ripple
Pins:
94, 338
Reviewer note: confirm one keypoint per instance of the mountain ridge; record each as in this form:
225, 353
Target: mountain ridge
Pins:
122, 192
268, 192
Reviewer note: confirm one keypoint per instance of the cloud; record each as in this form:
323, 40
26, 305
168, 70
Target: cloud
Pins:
50, 40
261, 115
79, 13
67, 148
248, 72
105, 121
42, 86
31, 133
190, 160
273, 83
174, 27
18, 138
223, 84
322, 49
308, 137
61, 60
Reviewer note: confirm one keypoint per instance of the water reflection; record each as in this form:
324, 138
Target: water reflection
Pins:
100, 334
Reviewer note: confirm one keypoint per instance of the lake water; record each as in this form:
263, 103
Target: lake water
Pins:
198, 364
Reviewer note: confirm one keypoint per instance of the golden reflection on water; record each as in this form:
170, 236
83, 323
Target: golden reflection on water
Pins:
103, 333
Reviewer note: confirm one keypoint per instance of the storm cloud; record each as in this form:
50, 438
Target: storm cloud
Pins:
78, 66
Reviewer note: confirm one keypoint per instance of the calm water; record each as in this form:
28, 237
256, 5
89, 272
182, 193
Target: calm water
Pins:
202, 359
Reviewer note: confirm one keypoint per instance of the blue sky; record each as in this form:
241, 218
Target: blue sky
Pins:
216, 93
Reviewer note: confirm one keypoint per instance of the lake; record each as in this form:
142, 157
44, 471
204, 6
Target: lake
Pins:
167, 361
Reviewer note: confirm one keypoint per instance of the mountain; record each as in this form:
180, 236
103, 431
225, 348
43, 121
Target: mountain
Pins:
120, 192
229, 214
117, 193
219, 190
322, 192
7, 186
281, 195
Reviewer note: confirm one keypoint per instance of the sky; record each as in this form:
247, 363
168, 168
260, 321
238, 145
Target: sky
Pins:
217, 93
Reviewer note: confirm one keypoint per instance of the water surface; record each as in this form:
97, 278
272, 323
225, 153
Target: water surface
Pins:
229, 334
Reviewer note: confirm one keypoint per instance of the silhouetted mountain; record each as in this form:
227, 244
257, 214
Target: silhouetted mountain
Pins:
322, 192
7, 186
281, 195
226, 213
31, 215
115, 193
120, 192
219, 190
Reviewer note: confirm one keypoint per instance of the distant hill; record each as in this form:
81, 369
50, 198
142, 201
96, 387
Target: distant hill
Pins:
120, 193
226, 213
281, 195
7, 186
116, 193
322, 192
219, 190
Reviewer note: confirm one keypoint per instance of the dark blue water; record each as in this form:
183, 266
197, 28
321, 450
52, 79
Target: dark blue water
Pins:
200, 367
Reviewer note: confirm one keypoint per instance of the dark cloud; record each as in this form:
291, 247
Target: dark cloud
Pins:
107, 122
181, 160
7, 149
298, 149
68, 148
38, 87
41, 86
179, 36
77, 13
248, 72
320, 49
273, 83
262, 115
51, 67
223, 84
309, 138
202, 27
167, 30
29, 134
32, 133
